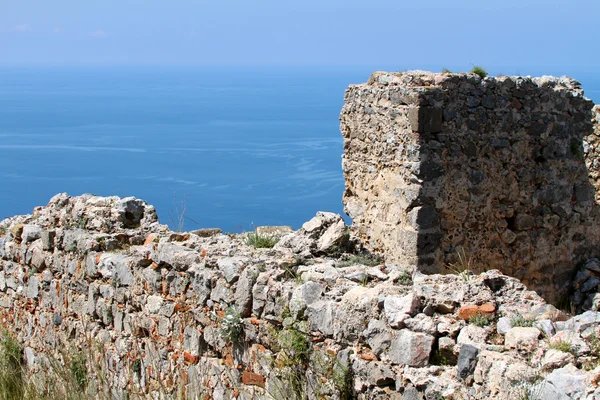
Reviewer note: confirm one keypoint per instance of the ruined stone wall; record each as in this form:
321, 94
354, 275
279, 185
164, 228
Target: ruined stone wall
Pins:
441, 164
95, 289
591, 149
161, 314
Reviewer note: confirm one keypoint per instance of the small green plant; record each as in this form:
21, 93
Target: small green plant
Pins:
11, 371
137, 367
290, 272
294, 358
295, 345
561, 345
439, 358
101, 242
365, 281
404, 278
178, 213
3, 230
260, 241
479, 71
463, 267
78, 370
186, 281
368, 259
521, 321
71, 247
594, 343
343, 380
446, 71
232, 326
529, 391
481, 320
82, 222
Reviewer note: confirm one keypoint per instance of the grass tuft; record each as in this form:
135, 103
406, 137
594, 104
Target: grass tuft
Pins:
561, 345
259, 241
463, 267
479, 71
11, 369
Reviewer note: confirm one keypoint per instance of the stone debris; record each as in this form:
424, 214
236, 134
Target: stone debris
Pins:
325, 233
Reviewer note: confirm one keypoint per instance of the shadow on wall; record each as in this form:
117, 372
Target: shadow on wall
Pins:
506, 184
497, 173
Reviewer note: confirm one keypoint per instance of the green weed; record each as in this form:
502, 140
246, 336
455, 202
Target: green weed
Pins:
292, 361
368, 259
11, 370
481, 320
594, 343
479, 71
232, 326
178, 213
521, 321
463, 267
260, 241
78, 370
404, 278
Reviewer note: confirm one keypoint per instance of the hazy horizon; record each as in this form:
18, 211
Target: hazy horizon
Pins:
383, 34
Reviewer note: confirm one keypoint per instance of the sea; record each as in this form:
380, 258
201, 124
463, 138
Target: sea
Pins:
226, 147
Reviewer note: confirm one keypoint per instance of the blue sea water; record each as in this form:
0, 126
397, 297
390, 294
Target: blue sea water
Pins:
240, 146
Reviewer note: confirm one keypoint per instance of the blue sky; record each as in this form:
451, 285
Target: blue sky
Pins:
380, 33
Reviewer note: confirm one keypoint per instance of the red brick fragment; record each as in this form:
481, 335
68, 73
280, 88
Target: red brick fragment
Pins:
466, 312
190, 358
251, 378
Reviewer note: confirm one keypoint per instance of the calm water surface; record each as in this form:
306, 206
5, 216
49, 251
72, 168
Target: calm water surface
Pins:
242, 146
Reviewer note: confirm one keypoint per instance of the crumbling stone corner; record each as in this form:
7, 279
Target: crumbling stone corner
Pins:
503, 170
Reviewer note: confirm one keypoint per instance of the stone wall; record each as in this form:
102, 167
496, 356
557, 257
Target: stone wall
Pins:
96, 288
441, 167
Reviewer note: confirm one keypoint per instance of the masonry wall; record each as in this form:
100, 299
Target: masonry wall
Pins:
442, 165
197, 315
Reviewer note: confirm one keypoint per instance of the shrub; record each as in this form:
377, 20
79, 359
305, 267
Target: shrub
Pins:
446, 71
479, 71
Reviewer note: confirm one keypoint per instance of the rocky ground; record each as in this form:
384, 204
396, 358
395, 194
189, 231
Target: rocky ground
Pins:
208, 315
